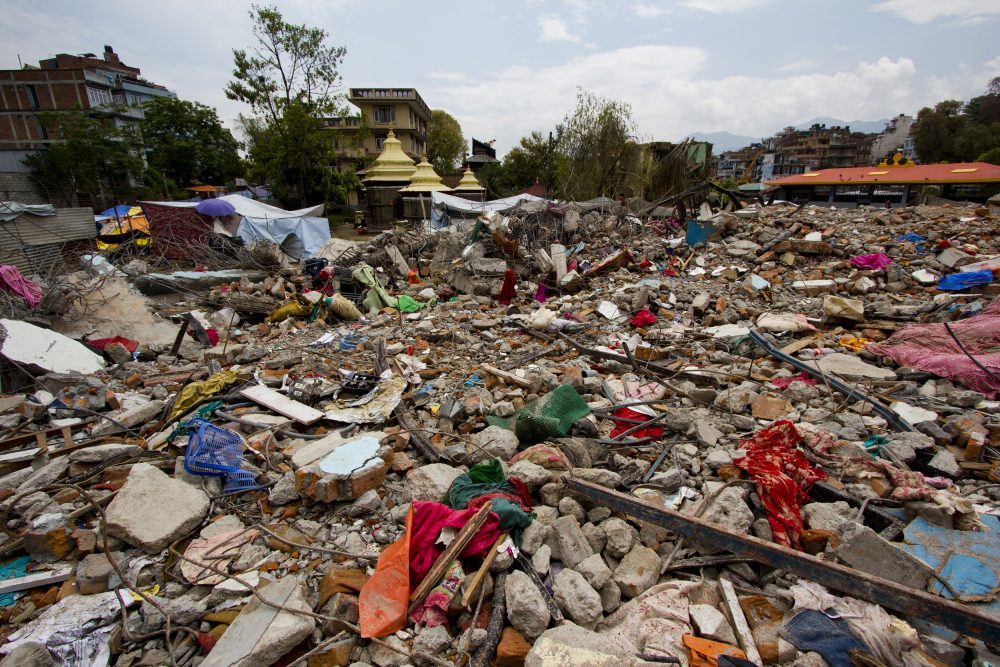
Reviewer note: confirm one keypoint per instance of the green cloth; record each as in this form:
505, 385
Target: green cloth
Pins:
488, 477
551, 416
408, 304
376, 298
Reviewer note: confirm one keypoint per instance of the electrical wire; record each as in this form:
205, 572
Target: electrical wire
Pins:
969, 354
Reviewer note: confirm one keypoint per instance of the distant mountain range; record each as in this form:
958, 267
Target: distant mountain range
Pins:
727, 141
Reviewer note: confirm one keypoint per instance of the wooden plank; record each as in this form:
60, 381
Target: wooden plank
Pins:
739, 622
507, 377
34, 580
32, 436
452, 552
477, 580
797, 345
272, 400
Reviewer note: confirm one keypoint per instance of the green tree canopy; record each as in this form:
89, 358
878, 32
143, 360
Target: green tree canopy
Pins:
287, 63
95, 158
524, 165
598, 154
953, 132
186, 142
289, 79
446, 147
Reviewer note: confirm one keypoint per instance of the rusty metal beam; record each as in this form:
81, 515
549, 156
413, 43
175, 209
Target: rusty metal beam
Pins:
907, 601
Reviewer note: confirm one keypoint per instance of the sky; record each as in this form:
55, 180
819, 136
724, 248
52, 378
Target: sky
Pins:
504, 68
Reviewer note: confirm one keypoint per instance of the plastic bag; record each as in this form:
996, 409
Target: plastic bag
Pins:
385, 598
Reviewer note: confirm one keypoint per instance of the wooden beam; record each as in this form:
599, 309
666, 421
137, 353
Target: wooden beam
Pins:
908, 601
450, 553
35, 580
739, 621
272, 400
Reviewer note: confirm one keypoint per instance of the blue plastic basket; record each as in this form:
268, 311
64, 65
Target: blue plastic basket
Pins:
241, 480
212, 450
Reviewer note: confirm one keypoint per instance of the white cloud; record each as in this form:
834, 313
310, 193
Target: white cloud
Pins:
926, 11
551, 28
797, 65
671, 97
646, 10
724, 6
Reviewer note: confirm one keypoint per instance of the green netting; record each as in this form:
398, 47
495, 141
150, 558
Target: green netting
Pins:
551, 416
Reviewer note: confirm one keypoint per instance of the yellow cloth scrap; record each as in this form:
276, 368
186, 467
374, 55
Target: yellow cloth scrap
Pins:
293, 308
854, 344
196, 391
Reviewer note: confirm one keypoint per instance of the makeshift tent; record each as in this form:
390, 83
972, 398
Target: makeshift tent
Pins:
177, 225
443, 206
122, 224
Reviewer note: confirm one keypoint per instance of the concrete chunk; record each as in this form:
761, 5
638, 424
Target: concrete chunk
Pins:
152, 509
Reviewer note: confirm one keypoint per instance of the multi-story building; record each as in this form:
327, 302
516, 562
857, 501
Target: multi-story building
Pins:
794, 151
893, 139
69, 83
380, 109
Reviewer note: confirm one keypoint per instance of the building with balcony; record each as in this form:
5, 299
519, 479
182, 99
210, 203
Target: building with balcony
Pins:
379, 110
69, 83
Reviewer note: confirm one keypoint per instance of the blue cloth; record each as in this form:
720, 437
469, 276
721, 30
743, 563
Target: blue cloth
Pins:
960, 281
812, 630
913, 238
11, 570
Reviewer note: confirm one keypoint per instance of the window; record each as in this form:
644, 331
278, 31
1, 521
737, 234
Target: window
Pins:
98, 97
385, 113
32, 96
379, 143
43, 133
413, 119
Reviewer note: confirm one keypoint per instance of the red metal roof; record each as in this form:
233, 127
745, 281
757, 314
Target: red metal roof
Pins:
956, 172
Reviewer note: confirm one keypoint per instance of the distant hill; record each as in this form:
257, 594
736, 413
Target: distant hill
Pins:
875, 126
724, 141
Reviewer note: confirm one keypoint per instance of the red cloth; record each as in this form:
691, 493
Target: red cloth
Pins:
507, 290
783, 475
875, 262
621, 427
101, 343
11, 280
644, 318
783, 383
428, 520
931, 348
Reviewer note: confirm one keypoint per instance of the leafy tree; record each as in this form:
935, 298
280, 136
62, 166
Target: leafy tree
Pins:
446, 147
94, 157
524, 165
951, 132
294, 156
186, 142
290, 80
598, 152
288, 63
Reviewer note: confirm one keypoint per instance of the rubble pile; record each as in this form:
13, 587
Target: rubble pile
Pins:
560, 436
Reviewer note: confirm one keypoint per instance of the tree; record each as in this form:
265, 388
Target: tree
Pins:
953, 132
598, 154
288, 63
94, 157
290, 80
446, 147
524, 165
186, 142
294, 156
935, 129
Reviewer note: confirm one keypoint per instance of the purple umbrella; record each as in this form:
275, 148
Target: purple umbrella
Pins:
215, 207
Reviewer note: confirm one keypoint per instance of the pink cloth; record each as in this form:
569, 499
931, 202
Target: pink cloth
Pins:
929, 347
875, 262
11, 280
428, 520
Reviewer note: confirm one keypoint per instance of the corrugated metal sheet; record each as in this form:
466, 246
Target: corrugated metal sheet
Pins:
33, 243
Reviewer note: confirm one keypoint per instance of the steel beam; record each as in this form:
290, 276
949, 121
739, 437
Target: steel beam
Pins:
907, 601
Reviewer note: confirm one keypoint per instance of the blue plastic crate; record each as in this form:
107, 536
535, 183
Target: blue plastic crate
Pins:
212, 451
241, 480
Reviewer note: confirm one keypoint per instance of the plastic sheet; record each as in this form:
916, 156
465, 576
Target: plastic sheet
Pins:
877, 261
957, 282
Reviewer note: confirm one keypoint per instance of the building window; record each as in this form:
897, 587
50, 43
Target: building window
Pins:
413, 119
98, 97
43, 133
32, 96
379, 143
385, 113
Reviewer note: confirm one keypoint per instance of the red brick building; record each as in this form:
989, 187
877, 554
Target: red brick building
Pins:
68, 83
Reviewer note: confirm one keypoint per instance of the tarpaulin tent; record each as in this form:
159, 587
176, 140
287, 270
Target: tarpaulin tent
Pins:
442, 205
177, 225
122, 224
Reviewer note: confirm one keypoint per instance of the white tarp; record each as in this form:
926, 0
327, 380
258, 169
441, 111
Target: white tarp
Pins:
442, 204
251, 208
11, 209
313, 232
